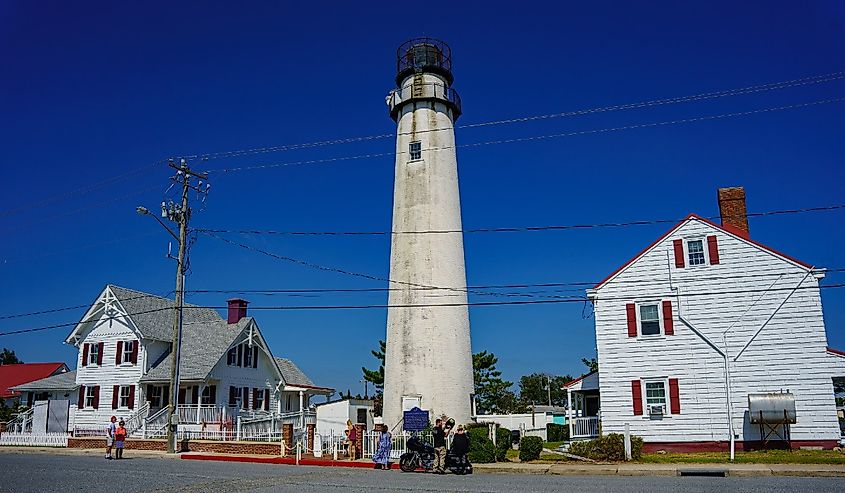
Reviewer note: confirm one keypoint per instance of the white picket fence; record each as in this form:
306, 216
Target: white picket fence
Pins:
33, 440
369, 443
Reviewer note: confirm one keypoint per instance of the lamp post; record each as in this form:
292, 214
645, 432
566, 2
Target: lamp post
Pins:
178, 213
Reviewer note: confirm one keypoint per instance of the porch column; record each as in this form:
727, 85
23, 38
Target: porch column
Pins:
569, 411
199, 402
301, 409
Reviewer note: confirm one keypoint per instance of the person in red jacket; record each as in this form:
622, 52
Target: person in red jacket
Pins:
120, 438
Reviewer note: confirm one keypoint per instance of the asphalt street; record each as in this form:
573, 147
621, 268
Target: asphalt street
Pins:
40, 473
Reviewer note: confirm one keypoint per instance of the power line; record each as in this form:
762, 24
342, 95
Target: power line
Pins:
539, 137
434, 305
518, 229
817, 79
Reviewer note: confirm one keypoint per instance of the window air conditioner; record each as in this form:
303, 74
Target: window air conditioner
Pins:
656, 410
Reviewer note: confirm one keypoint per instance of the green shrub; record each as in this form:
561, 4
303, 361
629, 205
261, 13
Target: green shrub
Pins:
481, 449
610, 447
530, 448
557, 433
503, 443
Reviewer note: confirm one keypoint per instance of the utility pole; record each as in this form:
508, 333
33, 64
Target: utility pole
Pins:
179, 213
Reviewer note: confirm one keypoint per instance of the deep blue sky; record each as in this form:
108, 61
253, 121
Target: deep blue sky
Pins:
93, 90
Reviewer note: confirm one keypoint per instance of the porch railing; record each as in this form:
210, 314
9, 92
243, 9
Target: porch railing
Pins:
587, 427
22, 422
200, 413
136, 421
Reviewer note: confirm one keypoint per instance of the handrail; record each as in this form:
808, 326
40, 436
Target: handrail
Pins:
136, 421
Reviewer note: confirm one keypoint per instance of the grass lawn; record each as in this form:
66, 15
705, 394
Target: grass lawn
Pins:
759, 457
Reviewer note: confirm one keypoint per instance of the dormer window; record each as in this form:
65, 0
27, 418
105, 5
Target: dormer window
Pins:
695, 252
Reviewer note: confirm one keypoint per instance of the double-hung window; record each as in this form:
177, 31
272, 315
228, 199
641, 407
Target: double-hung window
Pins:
247, 357
128, 349
90, 395
649, 319
232, 357
695, 252
123, 400
259, 399
655, 397
415, 150
155, 396
93, 354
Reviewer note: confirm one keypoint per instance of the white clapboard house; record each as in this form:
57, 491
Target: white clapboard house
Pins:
697, 321
228, 374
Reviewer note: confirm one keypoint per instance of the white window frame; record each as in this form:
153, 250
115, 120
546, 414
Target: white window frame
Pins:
688, 253
89, 397
128, 348
93, 353
659, 306
412, 154
259, 400
247, 361
666, 398
123, 397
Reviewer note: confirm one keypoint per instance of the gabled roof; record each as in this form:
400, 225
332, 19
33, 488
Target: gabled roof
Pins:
696, 217
292, 375
588, 381
13, 375
62, 381
203, 344
151, 314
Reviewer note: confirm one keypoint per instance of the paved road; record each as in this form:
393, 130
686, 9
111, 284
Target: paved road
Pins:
40, 473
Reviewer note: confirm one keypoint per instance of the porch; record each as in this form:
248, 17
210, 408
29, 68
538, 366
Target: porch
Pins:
584, 407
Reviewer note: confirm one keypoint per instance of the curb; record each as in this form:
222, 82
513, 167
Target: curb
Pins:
743, 470
288, 461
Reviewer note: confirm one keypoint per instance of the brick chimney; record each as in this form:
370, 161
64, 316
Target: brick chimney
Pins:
237, 309
733, 212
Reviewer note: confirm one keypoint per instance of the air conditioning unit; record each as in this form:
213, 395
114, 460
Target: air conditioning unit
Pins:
655, 410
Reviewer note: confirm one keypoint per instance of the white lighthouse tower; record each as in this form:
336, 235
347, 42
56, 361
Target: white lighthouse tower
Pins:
428, 359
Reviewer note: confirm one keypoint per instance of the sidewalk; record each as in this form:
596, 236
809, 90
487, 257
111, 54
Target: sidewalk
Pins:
635, 469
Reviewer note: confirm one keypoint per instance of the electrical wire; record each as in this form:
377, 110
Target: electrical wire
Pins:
434, 305
817, 79
517, 229
539, 137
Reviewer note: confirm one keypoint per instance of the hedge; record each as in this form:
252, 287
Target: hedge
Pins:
530, 448
610, 447
481, 448
557, 433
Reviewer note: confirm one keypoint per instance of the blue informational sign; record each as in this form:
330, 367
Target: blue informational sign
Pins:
415, 420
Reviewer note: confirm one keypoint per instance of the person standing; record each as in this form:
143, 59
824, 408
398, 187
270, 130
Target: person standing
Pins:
439, 438
119, 439
110, 436
460, 448
385, 444
352, 437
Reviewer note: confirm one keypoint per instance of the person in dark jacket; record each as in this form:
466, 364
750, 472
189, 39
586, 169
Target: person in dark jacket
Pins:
460, 442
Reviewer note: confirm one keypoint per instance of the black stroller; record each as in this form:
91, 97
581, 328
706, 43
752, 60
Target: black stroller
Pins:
421, 455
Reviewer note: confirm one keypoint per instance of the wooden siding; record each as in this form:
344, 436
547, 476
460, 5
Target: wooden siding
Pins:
246, 377
788, 354
107, 331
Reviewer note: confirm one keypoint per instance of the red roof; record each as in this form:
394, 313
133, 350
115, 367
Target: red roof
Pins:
730, 231
12, 375
835, 351
573, 382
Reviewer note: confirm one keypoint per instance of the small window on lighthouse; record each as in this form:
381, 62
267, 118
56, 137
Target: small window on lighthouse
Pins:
415, 150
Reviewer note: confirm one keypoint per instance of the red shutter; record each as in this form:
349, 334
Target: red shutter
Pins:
668, 321
245, 398
182, 393
240, 354
679, 253
195, 394
97, 396
674, 396
114, 395
631, 310
637, 394
255, 396
231, 395
131, 397
100, 354
81, 402
266, 399
255, 357
118, 354
713, 249
85, 354
135, 345
212, 394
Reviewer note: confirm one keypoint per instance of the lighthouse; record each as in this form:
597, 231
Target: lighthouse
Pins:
428, 358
